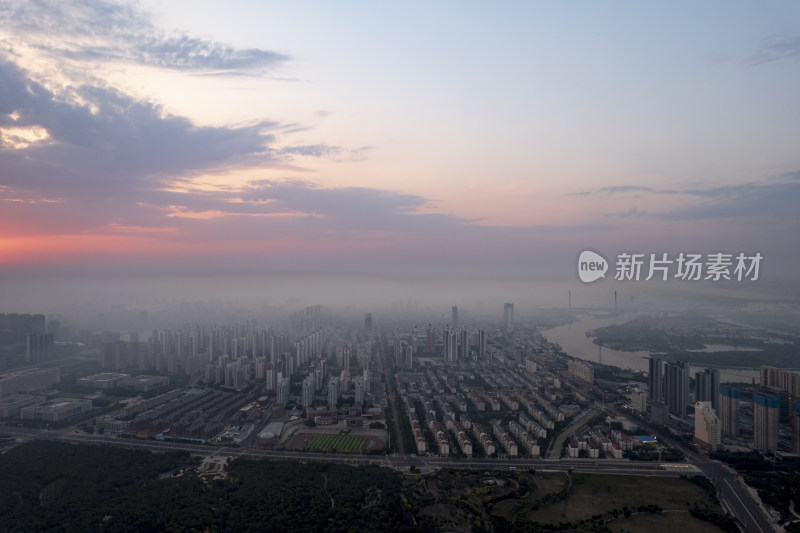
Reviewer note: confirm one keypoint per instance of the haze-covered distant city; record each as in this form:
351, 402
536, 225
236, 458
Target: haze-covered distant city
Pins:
502, 259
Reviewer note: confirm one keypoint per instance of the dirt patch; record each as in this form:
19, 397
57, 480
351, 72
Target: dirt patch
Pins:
674, 522
594, 494
550, 482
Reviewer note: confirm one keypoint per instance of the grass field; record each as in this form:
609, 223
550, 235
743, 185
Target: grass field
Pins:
464, 501
340, 443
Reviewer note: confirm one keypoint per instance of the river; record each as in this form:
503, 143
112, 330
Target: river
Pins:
573, 339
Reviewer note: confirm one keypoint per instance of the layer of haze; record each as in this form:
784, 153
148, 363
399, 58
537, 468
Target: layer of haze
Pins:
413, 141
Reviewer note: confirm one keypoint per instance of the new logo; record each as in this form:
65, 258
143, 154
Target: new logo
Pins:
591, 266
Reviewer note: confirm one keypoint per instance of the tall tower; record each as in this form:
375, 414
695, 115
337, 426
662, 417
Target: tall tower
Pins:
728, 400
765, 422
655, 380
677, 387
707, 387
454, 317
508, 316
463, 341
481, 344
450, 345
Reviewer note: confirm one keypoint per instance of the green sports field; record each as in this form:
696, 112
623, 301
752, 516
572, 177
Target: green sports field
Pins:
340, 443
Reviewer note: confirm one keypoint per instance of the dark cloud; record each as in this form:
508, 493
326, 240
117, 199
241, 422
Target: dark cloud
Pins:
349, 208
110, 160
110, 143
105, 31
771, 201
775, 49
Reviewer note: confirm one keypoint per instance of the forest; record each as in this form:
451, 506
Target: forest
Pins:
48, 486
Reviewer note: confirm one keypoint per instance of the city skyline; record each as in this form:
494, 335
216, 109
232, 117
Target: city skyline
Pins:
143, 137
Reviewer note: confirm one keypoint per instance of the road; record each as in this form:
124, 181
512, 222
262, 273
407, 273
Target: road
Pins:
396, 461
557, 444
733, 494
391, 394
731, 489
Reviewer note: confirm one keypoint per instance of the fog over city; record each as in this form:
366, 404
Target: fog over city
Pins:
441, 266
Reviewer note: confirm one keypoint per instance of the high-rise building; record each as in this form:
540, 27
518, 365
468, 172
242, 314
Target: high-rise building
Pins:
451, 345
729, 410
368, 322
769, 376
676, 387
481, 344
308, 391
269, 377
779, 378
707, 387
784, 402
508, 316
463, 343
655, 380
38, 347
359, 394
454, 317
333, 391
581, 370
639, 400
409, 359
283, 391
430, 338
794, 422
706, 425
765, 422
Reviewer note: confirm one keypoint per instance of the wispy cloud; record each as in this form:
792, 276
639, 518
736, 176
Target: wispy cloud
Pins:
775, 49
632, 212
712, 192
96, 30
621, 189
316, 150
337, 153
773, 201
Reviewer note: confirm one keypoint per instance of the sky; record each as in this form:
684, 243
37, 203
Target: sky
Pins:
400, 137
